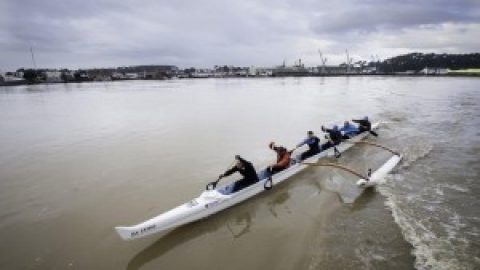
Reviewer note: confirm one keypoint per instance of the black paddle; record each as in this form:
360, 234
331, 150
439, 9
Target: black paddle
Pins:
336, 152
213, 184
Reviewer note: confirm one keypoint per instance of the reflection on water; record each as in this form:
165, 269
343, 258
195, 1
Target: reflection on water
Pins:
170, 241
237, 220
278, 199
244, 221
364, 199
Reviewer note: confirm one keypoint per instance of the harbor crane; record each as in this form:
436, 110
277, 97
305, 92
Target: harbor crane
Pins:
323, 59
349, 61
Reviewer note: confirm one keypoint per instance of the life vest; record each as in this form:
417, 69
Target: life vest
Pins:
283, 158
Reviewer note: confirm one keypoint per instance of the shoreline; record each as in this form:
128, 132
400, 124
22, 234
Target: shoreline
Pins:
472, 75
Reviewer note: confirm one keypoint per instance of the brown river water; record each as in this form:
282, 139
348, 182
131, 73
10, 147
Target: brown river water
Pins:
76, 160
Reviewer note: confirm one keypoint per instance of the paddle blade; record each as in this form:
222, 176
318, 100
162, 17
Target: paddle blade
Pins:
337, 153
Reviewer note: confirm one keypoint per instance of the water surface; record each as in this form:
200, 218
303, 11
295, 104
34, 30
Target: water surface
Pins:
78, 159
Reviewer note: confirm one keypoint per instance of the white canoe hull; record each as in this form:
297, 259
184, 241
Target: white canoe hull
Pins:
212, 201
380, 173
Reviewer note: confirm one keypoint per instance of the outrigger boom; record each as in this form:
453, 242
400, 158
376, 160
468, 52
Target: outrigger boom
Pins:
218, 199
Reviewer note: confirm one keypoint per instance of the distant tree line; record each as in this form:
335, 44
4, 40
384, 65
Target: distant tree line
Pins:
418, 61
408, 62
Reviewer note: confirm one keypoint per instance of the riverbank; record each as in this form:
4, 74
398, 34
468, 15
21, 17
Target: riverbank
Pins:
456, 74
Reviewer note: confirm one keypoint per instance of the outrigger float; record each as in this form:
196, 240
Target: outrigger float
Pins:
214, 200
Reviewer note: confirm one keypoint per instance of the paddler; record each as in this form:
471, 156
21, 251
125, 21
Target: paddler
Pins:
348, 130
334, 137
313, 146
364, 125
246, 169
283, 158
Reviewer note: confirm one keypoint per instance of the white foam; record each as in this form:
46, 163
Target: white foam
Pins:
439, 191
455, 187
415, 152
431, 250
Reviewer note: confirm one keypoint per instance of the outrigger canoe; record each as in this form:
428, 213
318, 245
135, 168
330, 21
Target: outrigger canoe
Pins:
220, 198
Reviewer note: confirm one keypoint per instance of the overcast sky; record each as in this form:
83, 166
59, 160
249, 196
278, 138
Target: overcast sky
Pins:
104, 33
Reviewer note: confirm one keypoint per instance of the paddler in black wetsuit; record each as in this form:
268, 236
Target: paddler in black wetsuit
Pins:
246, 169
334, 137
364, 125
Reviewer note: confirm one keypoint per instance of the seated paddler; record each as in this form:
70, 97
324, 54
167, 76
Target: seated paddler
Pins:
334, 137
246, 169
283, 158
348, 130
363, 124
312, 142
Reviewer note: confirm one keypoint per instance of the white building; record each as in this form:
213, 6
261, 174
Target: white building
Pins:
131, 76
10, 78
252, 71
259, 71
433, 71
117, 76
241, 73
202, 73
53, 76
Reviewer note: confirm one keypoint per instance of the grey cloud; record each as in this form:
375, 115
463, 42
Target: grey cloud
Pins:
378, 15
85, 33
